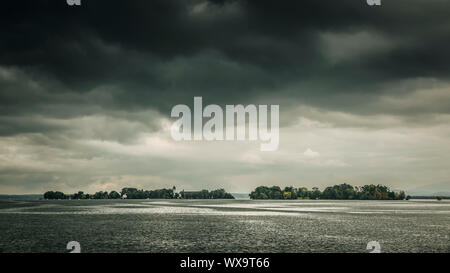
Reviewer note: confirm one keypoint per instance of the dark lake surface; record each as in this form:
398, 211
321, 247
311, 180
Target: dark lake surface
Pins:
224, 225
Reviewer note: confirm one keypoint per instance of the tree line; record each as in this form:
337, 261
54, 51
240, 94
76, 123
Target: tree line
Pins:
134, 193
339, 192
205, 194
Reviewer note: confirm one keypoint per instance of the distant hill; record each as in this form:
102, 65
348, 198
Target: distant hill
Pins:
438, 189
21, 196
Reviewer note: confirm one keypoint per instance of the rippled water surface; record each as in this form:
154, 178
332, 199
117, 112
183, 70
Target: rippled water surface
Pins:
224, 226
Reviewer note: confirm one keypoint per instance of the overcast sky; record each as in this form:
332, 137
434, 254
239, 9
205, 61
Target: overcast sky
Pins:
86, 92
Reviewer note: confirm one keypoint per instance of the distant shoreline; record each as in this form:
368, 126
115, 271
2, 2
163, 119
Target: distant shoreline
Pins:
336, 192
34, 197
134, 193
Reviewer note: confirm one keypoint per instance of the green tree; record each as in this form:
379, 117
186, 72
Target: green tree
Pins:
114, 195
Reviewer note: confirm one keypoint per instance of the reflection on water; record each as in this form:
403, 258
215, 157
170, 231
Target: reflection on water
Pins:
224, 225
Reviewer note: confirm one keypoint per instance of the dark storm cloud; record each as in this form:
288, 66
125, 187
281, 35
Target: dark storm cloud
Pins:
85, 92
157, 53
107, 56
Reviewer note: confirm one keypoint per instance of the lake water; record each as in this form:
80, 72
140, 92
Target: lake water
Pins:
224, 226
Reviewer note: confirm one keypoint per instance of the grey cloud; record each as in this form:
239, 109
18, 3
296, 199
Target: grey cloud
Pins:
282, 42
84, 93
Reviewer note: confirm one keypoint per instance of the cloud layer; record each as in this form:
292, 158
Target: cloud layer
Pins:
86, 92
